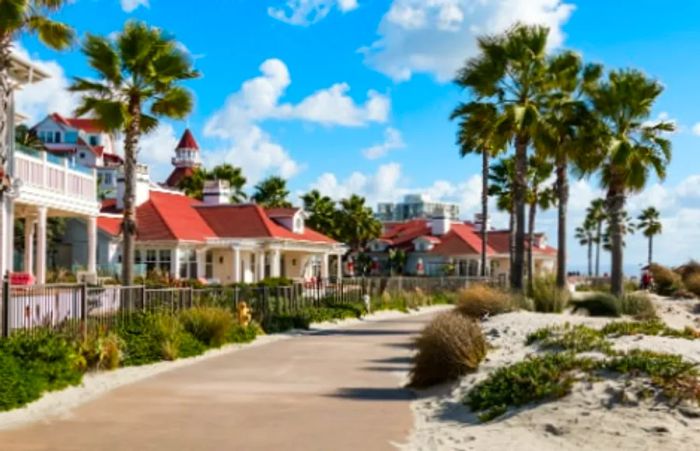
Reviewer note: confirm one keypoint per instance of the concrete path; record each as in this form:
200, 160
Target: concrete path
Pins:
334, 390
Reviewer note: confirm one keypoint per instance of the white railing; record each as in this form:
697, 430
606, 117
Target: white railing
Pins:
59, 177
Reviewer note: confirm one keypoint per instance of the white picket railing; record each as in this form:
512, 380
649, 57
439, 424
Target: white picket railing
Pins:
58, 177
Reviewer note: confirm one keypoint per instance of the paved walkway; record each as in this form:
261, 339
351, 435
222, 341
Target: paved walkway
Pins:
334, 390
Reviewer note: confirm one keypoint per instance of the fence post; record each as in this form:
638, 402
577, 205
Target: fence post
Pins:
143, 297
6, 305
83, 310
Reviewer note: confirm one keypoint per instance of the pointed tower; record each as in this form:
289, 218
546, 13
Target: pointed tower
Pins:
186, 159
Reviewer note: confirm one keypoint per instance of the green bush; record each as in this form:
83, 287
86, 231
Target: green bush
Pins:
450, 346
151, 337
545, 377
17, 386
652, 364
638, 305
480, 300
692, 283
546, 297
577, 338
649, 327
210, 325
100, 349
666, 282
243, 334
599, 304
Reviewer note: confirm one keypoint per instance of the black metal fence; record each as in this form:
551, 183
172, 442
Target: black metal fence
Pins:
59, 306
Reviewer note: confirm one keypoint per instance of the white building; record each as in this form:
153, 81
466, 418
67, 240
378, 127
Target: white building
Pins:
415, 206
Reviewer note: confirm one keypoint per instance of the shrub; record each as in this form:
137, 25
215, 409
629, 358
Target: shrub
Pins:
100, 350
547, 298
599, 304
450, 346
683, 294
692, 283
151, 337
577, 338
17, 386
688, 270
666, 282
651, 363
210, 325
479, 300
638, 305
550, 376
243, 334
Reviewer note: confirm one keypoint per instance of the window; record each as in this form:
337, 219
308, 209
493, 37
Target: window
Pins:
82, 155
48, 137
209, 265
164, 261
93, 140
107, 178
188, 264
57, 137
151, 260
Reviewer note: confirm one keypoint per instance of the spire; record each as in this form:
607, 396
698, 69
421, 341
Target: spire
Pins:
187, 141
187, 152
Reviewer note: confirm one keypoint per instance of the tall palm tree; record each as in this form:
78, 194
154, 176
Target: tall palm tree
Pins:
272, 192
138, 80
16, 18
501, 187
193, 185
356, 223
539, 171
477, 134
322, 214
510, 72
650, 225
627, 226
585, 236
634, 149
596, 214
567, 136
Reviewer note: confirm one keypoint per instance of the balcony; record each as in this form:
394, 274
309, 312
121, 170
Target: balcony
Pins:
44, 179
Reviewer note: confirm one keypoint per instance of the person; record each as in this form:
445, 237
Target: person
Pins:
646, 280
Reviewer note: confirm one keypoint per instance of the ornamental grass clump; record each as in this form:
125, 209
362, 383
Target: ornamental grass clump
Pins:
599, 304
547, 297
209, 325
638, 305
449, 347
666, 282
478, 301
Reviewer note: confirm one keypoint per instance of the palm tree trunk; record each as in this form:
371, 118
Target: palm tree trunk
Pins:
590, 257
562, 206
531, 240
484, 208
129, 223
615, 202
599, 238
5, 101
511, 240
519, 189
651, 249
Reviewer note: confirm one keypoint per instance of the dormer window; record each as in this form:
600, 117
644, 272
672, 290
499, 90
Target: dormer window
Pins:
93, 140
298, 223
57, 137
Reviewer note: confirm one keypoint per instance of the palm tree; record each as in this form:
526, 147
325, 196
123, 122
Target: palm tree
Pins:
477, 134
585, 236
634, 148
356, 223
628, 227
16, 18
539, 171
322, 213
597, 215
272, 192
650, 225
510, 73
501, 187
138, 76
27, 138
567, 136
193, 185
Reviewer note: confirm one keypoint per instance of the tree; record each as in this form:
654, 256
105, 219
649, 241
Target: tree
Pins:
16, 18
272, 193
567, 135
510, 72
501, 187
585, 234
397, 261
634, 148
321, 213
193, 185
27, 138
628, 227
650, 225
539, 171
597, 215
138, 80
356, 223
477, 135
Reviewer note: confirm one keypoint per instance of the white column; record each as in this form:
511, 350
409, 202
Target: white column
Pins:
29, 224
324, 267
237, 265
261, 265
339, 266
174, 264
41, 249
275, 269
201, 263
92, 244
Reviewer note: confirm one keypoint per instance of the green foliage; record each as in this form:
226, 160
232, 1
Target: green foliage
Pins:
193, 185
576, 339
272, 192
450, 346
356, 223
150, 337
321, 213
243, 334
648, 327
17, 386
599, 304
652, 364
275, 282
692, 284
100, 349
303, 318
480, 300
209, 325
638, 305
546, 377
666, 282
547, 298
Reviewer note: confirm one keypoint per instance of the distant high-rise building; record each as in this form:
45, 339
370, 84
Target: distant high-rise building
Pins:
416, 206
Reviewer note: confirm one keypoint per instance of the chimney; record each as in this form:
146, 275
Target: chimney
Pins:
440, 225
216, 192
142, 192
480, 223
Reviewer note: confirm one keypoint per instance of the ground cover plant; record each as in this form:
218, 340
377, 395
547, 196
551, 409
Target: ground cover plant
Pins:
450, 346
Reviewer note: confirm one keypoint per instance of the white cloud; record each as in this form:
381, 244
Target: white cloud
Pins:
696, 129
308, 12
48, 96
392, 141
436, 36
130, 5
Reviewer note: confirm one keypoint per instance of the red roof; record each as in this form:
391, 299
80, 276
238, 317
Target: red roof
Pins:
167, 216
403, 234
461, 239
88, 125
187, 141
499, 240
178, 175
110, 225
281, 212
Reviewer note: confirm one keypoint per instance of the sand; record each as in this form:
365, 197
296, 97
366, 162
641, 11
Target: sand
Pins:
591, 417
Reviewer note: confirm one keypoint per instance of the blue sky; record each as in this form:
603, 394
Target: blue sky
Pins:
330, 82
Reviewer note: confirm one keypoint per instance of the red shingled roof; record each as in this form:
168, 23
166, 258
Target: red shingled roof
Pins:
178, 175
281, 212
499, 240
169, 216
403, 234
88, 125
110, 225
187, 141
461, 239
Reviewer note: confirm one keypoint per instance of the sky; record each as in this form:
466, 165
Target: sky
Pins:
354, 96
